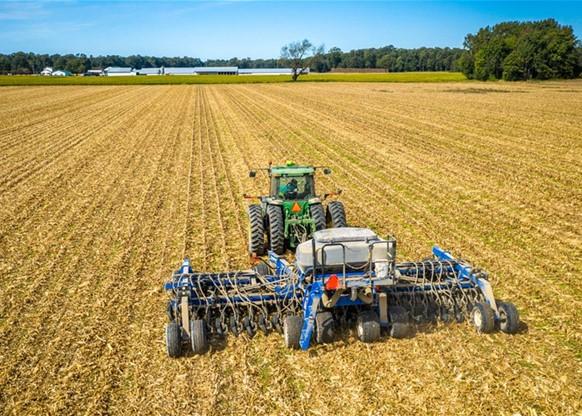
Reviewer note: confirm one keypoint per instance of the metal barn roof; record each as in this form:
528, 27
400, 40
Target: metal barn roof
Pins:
216, 69
179, 70
265, 71
118, 69
149, 71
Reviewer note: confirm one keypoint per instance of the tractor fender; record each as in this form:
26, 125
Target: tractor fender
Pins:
312, 201
274, 202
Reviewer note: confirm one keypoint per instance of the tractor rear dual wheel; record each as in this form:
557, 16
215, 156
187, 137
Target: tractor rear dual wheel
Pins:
336, 215
318, 216
276, 228
256, 230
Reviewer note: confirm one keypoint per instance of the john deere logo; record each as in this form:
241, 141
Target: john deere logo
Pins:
296, 207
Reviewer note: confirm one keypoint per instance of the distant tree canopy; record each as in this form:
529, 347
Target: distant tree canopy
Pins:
389, 58
521, 51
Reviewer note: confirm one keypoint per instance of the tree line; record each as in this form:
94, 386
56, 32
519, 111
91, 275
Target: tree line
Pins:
389, 58
522, 51
509, 50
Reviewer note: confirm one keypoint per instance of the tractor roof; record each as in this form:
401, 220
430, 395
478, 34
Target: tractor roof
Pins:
292, 170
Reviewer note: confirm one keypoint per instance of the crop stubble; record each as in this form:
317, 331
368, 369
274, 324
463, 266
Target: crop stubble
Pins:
104, 189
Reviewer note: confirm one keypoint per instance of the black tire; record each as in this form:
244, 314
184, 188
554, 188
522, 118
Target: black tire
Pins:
400, 330
368, 326
508, 317
262, 268
483, 318
336, 215
399, 322
324, 328
173, 340
292, 331
256, 230
397, 314
318, 215
276, 229
198, 337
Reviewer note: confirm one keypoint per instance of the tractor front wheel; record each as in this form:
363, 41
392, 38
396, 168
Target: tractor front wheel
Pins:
276, 229
256, 230
336, 215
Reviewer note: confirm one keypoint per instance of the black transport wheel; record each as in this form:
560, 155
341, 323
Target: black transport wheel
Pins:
256, 230
198, 337
336, 215
483, 318
318, 216
399, 322
276, 229
262, 268
324, 328
368, 326
508, 317
173, 340
292, 331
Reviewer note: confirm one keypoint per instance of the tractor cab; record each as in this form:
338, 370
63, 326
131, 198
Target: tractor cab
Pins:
292, 183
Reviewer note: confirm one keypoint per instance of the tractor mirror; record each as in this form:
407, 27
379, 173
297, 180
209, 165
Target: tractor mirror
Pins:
252, 173
326, 171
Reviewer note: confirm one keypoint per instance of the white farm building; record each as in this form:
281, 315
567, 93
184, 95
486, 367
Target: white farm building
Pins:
116, 71
119, 71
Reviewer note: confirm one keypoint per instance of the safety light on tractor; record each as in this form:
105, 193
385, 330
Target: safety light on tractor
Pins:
296, 207
332, 283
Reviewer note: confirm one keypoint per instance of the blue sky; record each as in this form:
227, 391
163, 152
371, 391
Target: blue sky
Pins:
253, 29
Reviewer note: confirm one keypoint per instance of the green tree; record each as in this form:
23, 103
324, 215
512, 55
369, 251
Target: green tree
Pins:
299, 55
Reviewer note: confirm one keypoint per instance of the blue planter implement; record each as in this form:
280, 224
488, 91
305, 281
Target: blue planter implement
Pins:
342, 276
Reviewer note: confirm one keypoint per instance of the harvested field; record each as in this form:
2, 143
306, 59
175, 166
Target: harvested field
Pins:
103, 189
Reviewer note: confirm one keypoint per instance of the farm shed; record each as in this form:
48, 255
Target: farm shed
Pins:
118, 71
94, 72
216, 70
150, 71
61, 73
267, 71
179, 71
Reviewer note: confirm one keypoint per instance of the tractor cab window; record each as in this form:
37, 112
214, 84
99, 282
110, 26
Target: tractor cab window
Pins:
294, 187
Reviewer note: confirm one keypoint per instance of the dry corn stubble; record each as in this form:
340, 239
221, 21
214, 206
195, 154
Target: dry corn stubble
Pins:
104, 189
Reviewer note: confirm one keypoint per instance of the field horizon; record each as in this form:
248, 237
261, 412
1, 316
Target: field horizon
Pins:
23, 80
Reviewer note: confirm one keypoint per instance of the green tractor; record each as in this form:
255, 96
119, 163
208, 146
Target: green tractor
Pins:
292, 211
